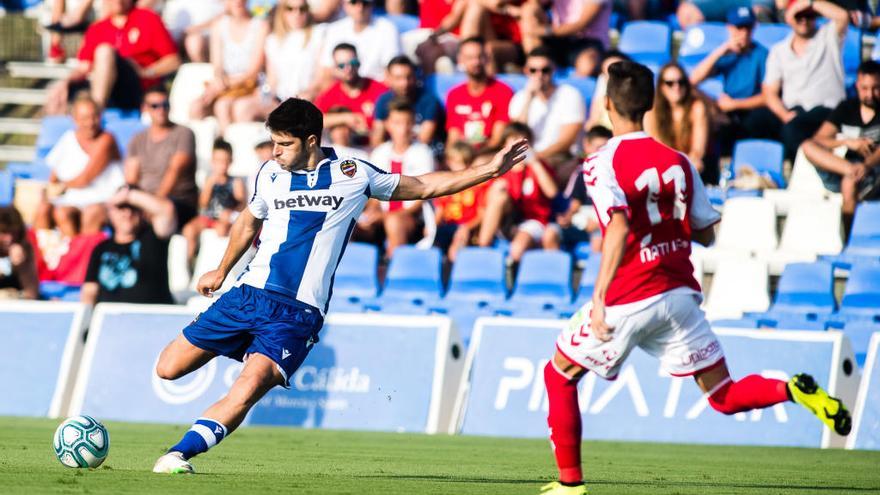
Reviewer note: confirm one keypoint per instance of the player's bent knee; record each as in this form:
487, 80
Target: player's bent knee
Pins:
167, 371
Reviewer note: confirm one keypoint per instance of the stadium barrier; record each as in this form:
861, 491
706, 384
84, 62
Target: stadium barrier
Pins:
42, 342
866, 416
369, 372
503, 394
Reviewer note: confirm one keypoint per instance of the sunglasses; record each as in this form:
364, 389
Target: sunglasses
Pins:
542, 70
365, 3
156, 106
804, 17
302, 9
673, 82
354, 63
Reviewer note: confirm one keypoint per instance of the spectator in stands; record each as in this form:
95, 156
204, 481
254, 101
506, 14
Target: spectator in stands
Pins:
576, 194
263, 150
588, 61
459, 215
571, 26
403, 84
476, 110
376, 39
524, 195
740, 63
439, 22
857, 120
341, 134
680, 120
86, 171
132, 266
121, 55
64, 18
351, 90
402, 221
293, 51
18, 268
221, 199
326, 11
554, 112
693, 12
162, 158
598, 114
237, 42
496, 22
190, 23
807, 68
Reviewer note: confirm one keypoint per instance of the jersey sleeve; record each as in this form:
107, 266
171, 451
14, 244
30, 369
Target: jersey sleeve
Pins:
257, 204
382, 183
606, 193
702, 214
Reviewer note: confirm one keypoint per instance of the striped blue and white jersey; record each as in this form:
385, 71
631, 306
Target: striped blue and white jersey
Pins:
308, 218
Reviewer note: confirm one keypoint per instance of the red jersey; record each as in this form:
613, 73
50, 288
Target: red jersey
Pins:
463, 206
528, 200
474, 115
664, 199
432, 12
364, 102
142, 39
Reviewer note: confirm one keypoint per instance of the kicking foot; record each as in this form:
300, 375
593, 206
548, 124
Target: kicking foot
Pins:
557, 488
173, 463
803, 389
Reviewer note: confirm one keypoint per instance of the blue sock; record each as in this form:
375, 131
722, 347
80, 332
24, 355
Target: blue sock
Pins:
204, 434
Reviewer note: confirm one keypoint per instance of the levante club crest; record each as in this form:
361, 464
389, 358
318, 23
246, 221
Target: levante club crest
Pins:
348, 167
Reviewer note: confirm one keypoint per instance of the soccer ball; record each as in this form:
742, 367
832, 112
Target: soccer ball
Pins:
81, 441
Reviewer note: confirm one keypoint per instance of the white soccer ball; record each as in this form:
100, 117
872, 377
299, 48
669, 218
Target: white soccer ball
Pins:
81, 441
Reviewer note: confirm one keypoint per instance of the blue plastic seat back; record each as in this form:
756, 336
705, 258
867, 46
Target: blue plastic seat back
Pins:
586, 86
588, 279
646, 42
52, 127
441, 84
123, 130
768, 34
414, 274
713, 87
516, 82
544, 277
403, 22
852, 51
700, 40
866, 226
806, 288
763, 155
860, 336
478, 275
356, 274
7, 187
862, 294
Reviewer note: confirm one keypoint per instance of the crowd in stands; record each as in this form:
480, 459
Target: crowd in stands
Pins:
516, 69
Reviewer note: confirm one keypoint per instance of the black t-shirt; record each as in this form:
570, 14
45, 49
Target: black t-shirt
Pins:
847, 117
136, 272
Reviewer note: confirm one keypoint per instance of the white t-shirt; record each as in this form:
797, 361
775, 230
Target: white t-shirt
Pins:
376, 45
418, 159
813, 79
295, 60
546, 118
67, 159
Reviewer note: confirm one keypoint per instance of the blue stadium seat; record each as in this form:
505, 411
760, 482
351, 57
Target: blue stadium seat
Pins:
860, 336
37, 170
123, 130
515, 81
52, 127
699, 41
805, 288
440, 84
862, 294
403, 22
852, 54
588, 279
582, 252
768, 34
464, 317
790, 321
112, 115
413, 276
356, 281
713, 87
647, 42
585, 85
865, 235
739, 323
7, 185
544, 281
477, 278
763, 155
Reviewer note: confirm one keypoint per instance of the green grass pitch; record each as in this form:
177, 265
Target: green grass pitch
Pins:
282, 460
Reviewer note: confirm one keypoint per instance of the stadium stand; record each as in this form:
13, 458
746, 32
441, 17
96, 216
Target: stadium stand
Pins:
699, 41
647, 42
812, 229
748, 228
414, 277
861, 299
356, 281
739, 285
763, 156
477, 278
768, 34
543, 283
864, 240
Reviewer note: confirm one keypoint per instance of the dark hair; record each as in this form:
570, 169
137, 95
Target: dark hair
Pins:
400, 105
462, 149
616, 54
674, 135
517, 129
12, 223
870, 68
630, 89
345, 46
401, 60
473, 39
598, 131
221, 144
297, 117
541, 51
157, 89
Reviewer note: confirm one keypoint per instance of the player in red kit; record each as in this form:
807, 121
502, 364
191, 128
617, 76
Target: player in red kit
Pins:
651, 204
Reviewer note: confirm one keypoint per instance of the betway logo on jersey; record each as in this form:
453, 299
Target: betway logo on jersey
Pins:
309, 201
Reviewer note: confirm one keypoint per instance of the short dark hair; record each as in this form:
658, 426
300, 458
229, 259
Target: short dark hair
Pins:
869, 68
615, 54
400, 105
157, 89
345, 46
541, 51
598, 131
462, 149
297, 117
401, 60
473, 39
517, 129
630, 89
221, 144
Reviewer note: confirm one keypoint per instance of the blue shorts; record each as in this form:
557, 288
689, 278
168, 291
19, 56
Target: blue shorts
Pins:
246, 320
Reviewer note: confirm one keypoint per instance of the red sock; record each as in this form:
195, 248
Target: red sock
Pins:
752, 392
565, 423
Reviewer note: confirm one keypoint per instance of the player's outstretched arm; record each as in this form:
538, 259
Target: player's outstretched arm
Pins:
613, 246
241, 236
437, 184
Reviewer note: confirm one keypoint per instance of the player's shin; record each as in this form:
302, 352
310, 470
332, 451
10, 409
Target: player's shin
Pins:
204, 434
564, 421
751, 392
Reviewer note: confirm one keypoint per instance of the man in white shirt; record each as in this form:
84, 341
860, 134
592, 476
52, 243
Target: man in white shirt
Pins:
376, 39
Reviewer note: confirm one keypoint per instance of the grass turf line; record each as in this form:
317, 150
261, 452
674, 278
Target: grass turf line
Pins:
281, 460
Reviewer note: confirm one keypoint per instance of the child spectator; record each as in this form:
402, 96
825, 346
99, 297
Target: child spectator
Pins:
459, 215
576, 195
341, 134
359, 94
18, 269
221, 199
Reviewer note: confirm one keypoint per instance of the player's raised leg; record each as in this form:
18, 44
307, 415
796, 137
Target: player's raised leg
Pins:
180, 357
561, 377
259, 375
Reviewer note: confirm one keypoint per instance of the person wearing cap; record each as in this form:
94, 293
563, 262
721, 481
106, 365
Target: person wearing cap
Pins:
740, 63
804, 77
132, 265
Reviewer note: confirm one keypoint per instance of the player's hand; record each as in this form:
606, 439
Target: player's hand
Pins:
597, 323
505, 159
210, 283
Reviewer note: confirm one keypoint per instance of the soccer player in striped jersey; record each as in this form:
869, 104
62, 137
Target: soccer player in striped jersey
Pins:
304, 206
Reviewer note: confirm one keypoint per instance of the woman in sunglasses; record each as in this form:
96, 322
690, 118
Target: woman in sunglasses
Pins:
292, 51
680, 120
